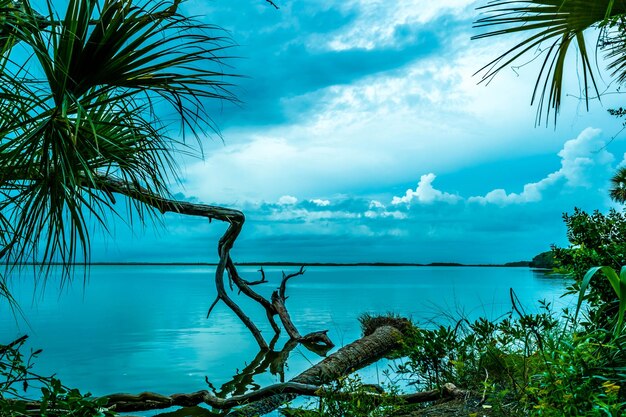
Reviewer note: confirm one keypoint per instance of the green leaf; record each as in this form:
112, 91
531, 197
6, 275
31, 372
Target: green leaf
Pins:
65, 122
547, 28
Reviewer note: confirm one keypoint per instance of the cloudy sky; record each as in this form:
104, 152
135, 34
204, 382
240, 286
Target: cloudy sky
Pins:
363, 135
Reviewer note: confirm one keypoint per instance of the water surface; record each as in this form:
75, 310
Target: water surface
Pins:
144, 328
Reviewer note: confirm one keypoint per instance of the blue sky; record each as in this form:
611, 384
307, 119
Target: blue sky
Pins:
364, 136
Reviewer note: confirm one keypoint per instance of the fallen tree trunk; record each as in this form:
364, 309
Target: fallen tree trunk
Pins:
128, 402
346, 360
310, 383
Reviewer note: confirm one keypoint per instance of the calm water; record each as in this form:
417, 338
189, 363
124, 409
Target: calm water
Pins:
144, 328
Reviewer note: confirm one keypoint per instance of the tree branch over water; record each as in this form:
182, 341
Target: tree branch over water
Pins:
235, 219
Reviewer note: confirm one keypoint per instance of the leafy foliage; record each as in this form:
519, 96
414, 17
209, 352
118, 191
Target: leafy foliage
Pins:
528, 365
617, 282
84, 105
17, 377
466, 353
551, 29
595, 240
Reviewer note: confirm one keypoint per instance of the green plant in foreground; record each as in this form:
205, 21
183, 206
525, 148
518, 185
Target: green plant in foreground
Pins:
349, 397
16, 377
618, 283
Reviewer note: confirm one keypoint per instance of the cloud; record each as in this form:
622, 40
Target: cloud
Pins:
287, 200
425, 193
286, 54
380, 24
532, 193
584, 159
343, 100
320, 202
398, 215
423, 225
341, 121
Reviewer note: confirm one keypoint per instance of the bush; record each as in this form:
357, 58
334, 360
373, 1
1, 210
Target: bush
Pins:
595, 240
17, 377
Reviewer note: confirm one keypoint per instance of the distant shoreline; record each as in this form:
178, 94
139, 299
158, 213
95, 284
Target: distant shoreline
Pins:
521, 264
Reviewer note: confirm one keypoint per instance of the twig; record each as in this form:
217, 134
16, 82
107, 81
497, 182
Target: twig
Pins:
283, 284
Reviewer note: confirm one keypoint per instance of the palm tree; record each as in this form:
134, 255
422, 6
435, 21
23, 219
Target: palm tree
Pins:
553, 27
79, 101
81, 104
618, 186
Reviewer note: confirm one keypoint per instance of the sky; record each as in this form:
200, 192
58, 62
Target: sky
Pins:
363, 135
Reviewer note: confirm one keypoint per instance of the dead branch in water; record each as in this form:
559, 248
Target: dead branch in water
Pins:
235, 220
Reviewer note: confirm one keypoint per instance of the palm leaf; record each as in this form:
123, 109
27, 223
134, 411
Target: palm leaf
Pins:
553, 22
91, 105
618, 186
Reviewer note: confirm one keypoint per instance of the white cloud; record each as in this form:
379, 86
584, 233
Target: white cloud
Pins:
287, 200
580, 157
300, 214
584, 160
398, 215
425, 193
320, 203
371, 133
376, 204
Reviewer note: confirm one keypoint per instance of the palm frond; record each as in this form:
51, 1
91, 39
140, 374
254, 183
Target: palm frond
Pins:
557, 23
104, 73
618, 186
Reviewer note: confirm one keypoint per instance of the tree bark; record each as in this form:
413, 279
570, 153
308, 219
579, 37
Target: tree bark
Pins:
346, 360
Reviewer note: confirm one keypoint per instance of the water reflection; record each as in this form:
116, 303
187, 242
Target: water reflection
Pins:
243, 381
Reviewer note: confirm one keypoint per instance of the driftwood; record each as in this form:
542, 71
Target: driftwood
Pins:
127, 402
309, 383
152, 401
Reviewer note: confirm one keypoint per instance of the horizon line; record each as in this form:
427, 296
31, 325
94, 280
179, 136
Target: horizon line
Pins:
291, 263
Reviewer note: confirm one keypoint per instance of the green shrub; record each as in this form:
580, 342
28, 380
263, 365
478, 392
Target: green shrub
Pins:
17, 377
595, 240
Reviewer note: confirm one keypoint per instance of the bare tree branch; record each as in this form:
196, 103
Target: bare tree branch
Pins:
235, 219
283, 283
